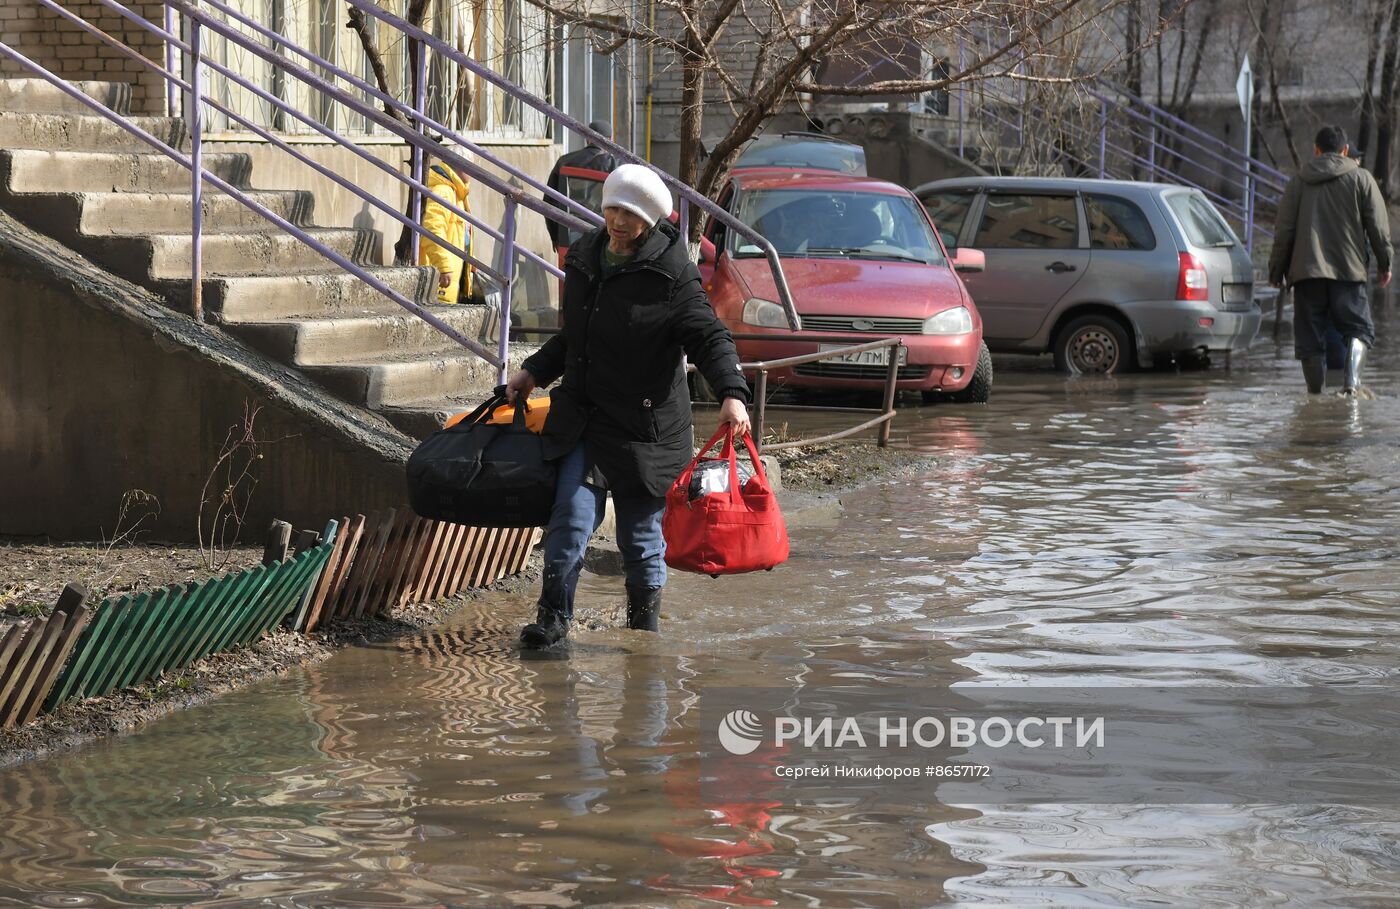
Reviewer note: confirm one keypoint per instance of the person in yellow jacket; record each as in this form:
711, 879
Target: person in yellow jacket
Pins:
450, 183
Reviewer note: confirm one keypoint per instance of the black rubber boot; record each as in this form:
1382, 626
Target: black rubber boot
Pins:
549, 628
1315, 373
643, 608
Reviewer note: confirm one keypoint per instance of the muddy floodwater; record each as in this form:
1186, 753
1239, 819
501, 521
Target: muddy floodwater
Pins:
1214, 528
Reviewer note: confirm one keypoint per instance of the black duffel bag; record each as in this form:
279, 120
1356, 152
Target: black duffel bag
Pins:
481, 474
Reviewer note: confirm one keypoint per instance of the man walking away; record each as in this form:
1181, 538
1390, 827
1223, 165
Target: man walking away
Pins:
590, 157
1330, 214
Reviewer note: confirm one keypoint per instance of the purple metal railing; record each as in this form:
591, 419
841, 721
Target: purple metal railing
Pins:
235, 193
175, 81
201, 23
1122, 123
687, 195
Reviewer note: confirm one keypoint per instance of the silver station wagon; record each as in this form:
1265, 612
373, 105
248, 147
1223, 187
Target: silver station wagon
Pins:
1105, 274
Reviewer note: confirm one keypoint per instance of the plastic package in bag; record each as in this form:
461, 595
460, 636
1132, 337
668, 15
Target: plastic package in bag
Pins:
712, 475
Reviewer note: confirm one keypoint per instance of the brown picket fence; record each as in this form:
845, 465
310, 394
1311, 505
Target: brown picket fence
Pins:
32, 655
359, 567
395, 557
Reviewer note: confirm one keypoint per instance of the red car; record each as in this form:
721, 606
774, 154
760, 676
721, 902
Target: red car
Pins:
861, 257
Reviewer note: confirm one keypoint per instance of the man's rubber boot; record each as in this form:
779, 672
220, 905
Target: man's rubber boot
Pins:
1356, 359
1315, 373
643, 608
549, 628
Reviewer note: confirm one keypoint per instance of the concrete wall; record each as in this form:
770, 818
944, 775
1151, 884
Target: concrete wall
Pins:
103, 390
61, 47
338, 207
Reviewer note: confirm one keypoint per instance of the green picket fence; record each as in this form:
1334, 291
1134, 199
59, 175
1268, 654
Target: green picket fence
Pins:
138, 637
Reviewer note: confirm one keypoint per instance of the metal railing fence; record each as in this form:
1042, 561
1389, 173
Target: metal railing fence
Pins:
1102, 130
186, 68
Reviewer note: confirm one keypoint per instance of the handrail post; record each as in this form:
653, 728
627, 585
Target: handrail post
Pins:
1103, 137
507, 272
891, 377
196, 174
962, 93
172, 100
1152, 150
420, 96
760, 397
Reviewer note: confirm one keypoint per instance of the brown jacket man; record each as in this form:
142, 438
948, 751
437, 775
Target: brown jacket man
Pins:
1331, 215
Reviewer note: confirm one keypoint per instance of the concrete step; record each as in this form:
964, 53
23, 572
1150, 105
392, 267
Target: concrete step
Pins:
270, 298
33, 171
129, 214
410, 380
153, 258
37, 96
315, 342
70, 132
421, 419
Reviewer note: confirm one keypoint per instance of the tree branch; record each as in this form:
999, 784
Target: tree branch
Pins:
360, 27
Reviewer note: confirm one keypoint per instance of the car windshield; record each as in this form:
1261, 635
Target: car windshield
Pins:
814, 224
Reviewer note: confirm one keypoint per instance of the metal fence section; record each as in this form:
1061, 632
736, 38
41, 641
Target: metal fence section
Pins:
1098, 129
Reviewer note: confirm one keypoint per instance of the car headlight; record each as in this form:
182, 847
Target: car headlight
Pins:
955, 321
764, 313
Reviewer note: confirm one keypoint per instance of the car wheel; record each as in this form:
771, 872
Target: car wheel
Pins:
979, 390
1093, 345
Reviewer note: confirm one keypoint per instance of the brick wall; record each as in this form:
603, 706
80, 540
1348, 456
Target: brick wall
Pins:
61, 47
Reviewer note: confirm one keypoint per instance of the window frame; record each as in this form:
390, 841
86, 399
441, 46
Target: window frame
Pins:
1141, 210
1081, 234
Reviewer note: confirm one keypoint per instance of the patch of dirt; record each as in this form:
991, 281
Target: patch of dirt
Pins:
843, 466
78, 722
34, 572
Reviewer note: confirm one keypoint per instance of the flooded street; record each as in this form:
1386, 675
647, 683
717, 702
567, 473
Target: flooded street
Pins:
1212, 528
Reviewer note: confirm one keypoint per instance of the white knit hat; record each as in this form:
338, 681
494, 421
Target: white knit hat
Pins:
639, 190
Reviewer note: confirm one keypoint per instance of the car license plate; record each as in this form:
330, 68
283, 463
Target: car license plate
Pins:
878, 357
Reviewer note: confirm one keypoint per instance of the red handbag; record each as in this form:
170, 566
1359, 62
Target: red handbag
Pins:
730, 532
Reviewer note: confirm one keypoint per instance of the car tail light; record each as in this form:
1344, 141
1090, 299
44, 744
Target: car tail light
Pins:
1191, 282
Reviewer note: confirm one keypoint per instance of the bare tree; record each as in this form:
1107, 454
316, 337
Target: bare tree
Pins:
751, 58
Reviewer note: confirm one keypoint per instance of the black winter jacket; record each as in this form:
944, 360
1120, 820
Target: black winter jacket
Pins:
590, 157
624, 390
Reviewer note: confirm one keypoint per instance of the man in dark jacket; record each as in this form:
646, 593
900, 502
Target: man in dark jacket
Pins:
1331, 214
619, 420
590, 157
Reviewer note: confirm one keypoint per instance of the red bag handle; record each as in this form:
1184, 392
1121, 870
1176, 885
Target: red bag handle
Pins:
727, 433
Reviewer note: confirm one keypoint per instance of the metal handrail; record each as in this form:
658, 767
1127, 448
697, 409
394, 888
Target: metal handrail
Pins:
392, 211
1164, 114
218, 183
884, 416
687, 194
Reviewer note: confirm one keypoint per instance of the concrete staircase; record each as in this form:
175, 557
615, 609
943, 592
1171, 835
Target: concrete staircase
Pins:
110, 197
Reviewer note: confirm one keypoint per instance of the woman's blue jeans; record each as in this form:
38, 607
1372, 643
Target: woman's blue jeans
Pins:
578, 510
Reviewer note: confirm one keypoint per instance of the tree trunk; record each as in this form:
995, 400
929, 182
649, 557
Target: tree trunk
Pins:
692, 117
1385, 108
1368, 94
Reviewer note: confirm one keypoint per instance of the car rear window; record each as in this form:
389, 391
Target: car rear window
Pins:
1028, 222
1116, 223
949, 211
1200, 220
820, 154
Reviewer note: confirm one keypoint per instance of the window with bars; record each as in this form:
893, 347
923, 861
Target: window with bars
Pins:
510, 36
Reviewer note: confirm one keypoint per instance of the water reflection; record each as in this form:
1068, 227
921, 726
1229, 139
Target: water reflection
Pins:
1203, 528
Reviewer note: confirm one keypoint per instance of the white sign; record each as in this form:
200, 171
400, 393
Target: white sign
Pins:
1244, 87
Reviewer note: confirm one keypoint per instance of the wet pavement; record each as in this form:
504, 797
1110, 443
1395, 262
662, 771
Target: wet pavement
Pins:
1213, 527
